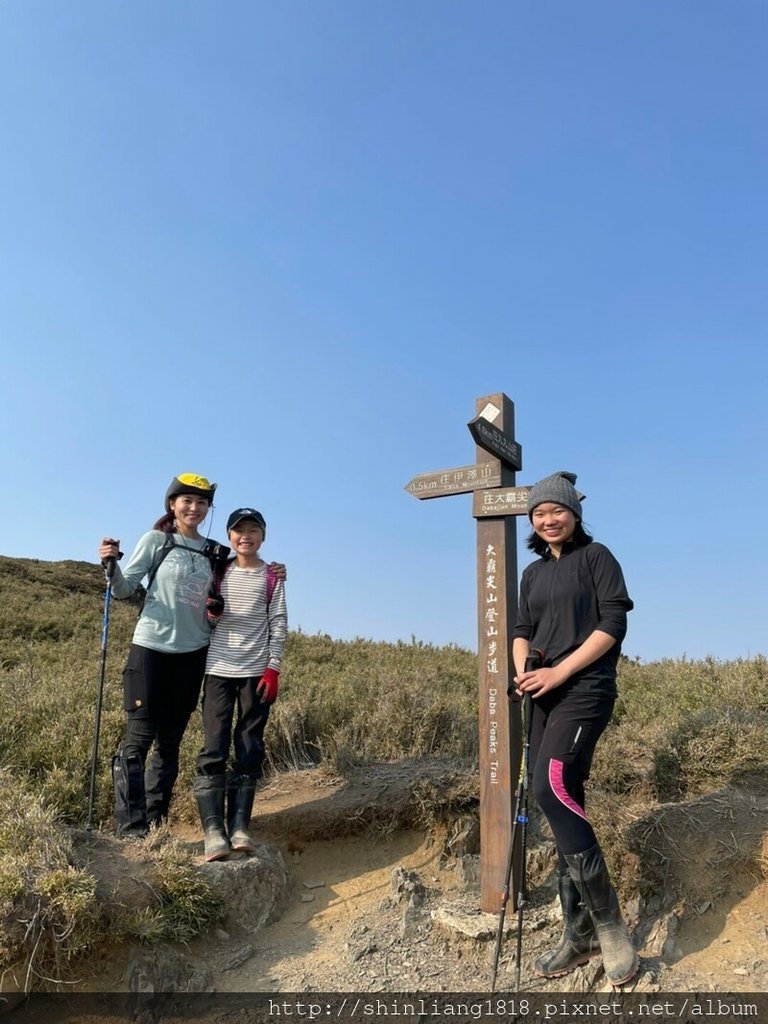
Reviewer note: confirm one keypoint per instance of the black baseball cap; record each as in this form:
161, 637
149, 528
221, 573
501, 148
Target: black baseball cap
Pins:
245, 513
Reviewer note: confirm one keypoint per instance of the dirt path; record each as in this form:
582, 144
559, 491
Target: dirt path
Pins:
368, 895
340, 887
350, 926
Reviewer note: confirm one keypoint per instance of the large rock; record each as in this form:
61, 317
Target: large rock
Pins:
255, 889
165, 969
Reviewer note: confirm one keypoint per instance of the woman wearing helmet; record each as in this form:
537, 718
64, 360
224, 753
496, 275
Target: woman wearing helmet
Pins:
166, 661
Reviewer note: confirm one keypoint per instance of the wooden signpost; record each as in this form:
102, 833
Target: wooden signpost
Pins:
495, 503
494, 440
503, 501
454, 481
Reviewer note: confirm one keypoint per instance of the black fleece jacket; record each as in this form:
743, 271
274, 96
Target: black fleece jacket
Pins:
563, 600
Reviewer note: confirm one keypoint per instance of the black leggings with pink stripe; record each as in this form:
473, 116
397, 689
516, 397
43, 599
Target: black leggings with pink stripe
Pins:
566, 724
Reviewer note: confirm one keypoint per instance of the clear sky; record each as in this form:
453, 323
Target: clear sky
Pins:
287, 244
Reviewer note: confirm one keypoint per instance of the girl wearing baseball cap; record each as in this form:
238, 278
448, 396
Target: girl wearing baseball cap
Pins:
241, 684
166, 661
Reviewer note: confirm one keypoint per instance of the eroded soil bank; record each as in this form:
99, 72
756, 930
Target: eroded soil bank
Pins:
370, 885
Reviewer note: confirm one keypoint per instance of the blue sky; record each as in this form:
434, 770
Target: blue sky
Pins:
286, 245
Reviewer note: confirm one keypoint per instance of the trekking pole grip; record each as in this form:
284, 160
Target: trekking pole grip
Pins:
110, 563
534, 660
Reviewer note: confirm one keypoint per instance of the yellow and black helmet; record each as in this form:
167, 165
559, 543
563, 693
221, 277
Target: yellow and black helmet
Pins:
189, 483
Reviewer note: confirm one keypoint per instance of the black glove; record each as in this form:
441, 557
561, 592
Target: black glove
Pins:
214, 607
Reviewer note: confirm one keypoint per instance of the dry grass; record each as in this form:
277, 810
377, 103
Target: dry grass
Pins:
681, 728
51, 912
48, 907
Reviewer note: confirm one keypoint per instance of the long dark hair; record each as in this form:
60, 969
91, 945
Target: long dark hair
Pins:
537, 544
166, 523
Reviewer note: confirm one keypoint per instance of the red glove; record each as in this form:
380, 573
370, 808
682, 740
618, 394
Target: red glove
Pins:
266, 690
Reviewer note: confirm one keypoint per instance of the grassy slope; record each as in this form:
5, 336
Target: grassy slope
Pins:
681, 728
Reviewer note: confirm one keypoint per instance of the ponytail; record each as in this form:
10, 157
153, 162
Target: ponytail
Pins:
166, 523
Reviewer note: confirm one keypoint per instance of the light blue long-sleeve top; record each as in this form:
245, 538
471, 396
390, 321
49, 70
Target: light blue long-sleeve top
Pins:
173, 619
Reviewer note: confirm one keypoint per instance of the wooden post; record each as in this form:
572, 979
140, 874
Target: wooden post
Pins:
500, 731
495, 504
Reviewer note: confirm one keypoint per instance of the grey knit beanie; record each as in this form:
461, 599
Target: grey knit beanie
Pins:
558, 489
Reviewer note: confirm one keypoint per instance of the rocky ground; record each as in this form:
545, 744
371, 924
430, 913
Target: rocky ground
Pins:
343, 896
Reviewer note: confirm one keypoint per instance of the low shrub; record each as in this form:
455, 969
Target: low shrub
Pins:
680, 728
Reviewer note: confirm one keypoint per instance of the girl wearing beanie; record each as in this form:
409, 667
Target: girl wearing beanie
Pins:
166, 661
573, 607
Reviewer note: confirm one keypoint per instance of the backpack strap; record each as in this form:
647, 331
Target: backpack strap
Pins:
215, 553
272, 582
158, 560
220, 571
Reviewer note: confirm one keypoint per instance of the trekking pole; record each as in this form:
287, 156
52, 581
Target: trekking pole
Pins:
522, 880
520, 818
109, 566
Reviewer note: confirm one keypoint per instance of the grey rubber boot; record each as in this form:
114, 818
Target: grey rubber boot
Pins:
578, 943
241, 790
209, 793
590, 875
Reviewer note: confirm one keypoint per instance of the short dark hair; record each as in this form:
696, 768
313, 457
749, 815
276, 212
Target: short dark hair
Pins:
580, 539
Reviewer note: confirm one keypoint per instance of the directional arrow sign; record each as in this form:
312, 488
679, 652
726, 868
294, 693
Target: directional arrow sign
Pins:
496, 442
455, 481
504, 501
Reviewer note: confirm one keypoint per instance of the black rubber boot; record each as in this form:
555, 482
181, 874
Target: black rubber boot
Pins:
209, 793
590, 875
241, 790
160, 773
130, 799
578, 942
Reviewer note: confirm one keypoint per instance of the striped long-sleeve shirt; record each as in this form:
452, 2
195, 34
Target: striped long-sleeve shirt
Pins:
249, 636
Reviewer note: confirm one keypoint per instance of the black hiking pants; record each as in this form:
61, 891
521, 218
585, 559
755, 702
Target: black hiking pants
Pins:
222, 697
160, 692
566, 724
